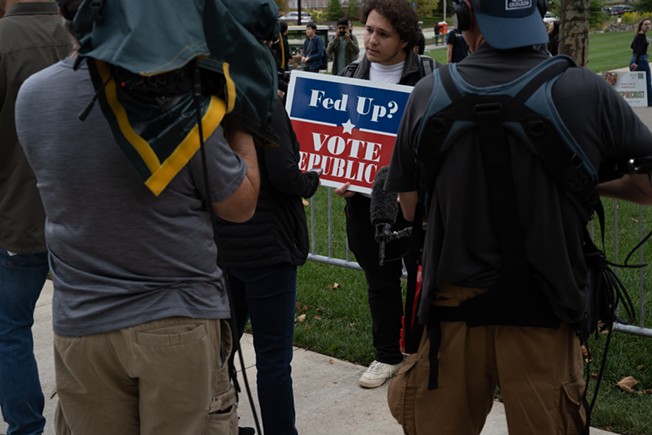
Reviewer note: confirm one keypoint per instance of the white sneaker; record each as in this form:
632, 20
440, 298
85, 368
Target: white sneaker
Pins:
377, 374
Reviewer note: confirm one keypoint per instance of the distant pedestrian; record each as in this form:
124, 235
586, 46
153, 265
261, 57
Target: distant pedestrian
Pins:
457, 47
639, 60
437, 33
281, 49
313, 49
553, 37
344, 47
420, 46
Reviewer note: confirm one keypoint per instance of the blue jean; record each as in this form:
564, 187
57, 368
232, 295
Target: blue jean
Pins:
267, 297
644, 65
21, 398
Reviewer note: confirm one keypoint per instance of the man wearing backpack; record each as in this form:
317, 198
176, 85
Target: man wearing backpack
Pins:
390, 33
313, 49
505, 281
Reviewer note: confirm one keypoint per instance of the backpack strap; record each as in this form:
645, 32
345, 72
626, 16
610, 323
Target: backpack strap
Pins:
492, 115
427, 65
452, 113
351, 68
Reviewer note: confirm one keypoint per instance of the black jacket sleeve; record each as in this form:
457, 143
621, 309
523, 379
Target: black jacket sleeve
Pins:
282, 163
639, 46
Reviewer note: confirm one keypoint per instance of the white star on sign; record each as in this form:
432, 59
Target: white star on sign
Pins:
348, 127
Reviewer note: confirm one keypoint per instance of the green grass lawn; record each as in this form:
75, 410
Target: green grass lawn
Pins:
333, 315
607, 51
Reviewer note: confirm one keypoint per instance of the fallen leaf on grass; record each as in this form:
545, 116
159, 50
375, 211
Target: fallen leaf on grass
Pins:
305, 202
627, 384
301, 317
585, 354
333, 286
317, 317
301, 307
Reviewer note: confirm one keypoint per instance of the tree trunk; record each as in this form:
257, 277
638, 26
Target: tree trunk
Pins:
574, 30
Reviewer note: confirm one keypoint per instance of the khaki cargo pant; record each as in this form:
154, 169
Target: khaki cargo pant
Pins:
538, 371
163, 377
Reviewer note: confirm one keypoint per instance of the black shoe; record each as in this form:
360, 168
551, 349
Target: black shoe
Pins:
246, 431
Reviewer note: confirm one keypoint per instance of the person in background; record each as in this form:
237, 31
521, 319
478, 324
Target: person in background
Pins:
313, 49
437, 29
281, 52
390, 34
530, 350
420, 47
553, 37
639, 60
261, 258
32, 37
350, 25
281, 49
343, 47
457, 48
140, 306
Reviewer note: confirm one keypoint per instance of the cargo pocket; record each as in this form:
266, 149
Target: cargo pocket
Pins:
571, 408
222, 414
401, 394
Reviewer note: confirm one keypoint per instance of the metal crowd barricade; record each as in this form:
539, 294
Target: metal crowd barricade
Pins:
328, 245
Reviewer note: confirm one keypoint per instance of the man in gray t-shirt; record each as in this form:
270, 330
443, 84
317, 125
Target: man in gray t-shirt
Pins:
139, 304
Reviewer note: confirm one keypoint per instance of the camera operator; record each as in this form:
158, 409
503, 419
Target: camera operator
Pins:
140, 306
343, 47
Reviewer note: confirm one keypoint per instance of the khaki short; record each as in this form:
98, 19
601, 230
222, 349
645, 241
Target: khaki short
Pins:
163, 377
538, 371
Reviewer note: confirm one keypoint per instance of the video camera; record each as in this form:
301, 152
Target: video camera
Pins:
165, 89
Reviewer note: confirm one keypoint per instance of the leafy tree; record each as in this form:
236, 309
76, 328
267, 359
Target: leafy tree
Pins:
597, 16
282, 5
425, 8
334, 10
644, 5
353, 9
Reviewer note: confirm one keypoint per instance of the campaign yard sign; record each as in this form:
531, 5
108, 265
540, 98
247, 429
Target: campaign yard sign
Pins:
630, 85
345, 126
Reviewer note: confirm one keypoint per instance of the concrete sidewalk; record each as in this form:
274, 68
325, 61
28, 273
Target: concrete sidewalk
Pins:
328, 398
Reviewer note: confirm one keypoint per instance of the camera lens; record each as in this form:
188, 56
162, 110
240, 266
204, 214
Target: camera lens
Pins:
342, 32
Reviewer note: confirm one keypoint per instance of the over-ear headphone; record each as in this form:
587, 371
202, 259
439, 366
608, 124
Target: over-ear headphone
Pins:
464, 11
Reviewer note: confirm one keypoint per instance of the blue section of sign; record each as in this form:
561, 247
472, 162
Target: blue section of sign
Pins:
330, 102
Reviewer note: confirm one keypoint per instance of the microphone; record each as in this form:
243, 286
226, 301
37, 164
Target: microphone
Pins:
383, 211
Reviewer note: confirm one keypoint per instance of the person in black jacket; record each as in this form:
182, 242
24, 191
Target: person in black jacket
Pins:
390, 33
261, 257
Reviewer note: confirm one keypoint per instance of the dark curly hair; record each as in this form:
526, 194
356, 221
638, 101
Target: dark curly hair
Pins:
400, 14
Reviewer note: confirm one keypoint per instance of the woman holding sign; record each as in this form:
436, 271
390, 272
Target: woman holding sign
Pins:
639, 61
